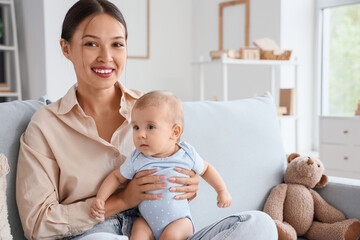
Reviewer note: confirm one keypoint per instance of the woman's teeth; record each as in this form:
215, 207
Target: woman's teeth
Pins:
102, 70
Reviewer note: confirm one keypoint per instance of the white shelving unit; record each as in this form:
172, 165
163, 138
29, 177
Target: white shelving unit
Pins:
11, 50
224, 62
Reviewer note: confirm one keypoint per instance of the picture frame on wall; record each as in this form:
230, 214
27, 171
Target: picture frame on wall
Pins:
137, 16
244, 7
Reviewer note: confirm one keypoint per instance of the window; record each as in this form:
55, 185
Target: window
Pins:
340, 56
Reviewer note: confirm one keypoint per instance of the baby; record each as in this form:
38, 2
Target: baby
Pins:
157, 119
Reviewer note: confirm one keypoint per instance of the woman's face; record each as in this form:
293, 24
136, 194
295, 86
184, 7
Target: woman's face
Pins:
98, 51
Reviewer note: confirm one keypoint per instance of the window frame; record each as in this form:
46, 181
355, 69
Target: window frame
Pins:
319, 6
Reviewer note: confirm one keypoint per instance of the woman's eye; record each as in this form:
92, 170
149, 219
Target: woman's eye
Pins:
151, 127
118, 45
135, 127
90, 44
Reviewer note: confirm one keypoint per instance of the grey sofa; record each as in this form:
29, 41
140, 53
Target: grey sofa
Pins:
240, 138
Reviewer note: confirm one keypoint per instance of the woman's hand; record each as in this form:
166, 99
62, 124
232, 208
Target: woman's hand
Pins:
191, 184
136, 189
135, 192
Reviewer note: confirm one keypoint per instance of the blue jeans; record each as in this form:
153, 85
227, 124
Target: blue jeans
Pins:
117, 225
249, 225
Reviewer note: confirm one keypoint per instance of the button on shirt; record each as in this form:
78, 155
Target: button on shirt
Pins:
62, 163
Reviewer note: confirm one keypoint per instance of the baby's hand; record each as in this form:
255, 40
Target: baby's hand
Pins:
97, 210
224, 199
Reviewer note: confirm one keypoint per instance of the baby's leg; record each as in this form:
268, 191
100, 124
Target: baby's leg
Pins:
178, 230
141, 230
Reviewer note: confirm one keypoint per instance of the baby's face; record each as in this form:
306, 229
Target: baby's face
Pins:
153, 132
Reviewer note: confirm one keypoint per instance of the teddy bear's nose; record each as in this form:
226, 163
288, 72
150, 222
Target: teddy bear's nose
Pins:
310, 161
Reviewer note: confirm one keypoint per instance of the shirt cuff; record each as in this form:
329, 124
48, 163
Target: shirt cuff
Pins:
79, 217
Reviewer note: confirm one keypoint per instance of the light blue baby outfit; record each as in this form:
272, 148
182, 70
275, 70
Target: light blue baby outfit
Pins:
159, 213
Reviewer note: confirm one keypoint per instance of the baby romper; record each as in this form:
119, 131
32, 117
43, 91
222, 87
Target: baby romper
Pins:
159, 213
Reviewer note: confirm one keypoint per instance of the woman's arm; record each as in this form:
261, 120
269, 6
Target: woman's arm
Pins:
135, 192
37, 195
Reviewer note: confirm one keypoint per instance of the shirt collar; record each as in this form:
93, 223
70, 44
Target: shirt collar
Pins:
68, 101
128, 98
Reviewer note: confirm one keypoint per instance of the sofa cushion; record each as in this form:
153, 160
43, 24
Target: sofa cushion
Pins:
14, 118
242, 140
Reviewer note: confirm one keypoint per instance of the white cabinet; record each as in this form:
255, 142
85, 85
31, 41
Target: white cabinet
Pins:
339, 146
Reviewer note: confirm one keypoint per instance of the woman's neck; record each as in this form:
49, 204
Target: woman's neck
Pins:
95, 102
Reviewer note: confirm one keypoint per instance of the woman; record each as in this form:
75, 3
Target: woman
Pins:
71, 145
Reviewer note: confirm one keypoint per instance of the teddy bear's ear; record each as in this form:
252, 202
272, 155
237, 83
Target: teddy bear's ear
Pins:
323, 181
292, 157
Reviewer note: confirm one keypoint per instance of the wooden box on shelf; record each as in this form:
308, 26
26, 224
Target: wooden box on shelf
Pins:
216, 54
250, 53
281, 111
287, 99
4, 87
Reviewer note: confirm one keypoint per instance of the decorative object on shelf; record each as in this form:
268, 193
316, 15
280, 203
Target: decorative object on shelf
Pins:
281, 111
4, 87
250, 53
269, 50
357, 111
247, 13
287, 100
246, 53
233, 54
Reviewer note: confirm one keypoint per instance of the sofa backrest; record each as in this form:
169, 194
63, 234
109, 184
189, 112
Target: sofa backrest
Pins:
242, 140
14, 118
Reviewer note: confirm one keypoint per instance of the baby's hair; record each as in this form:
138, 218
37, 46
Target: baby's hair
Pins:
157, 98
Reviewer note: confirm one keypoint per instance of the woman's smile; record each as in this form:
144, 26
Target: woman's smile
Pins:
103, 72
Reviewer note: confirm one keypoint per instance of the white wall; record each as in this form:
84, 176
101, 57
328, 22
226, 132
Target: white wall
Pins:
181, 32
243, 81
31, 41
297, 33
46, 71
170, 53
59, 73
290, 24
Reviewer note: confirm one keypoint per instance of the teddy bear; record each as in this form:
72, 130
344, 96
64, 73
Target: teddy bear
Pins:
298, 210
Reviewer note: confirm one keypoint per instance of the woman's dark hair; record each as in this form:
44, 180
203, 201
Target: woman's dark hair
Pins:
84, 8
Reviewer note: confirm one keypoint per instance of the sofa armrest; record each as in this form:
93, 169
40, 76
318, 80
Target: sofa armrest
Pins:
343, 194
